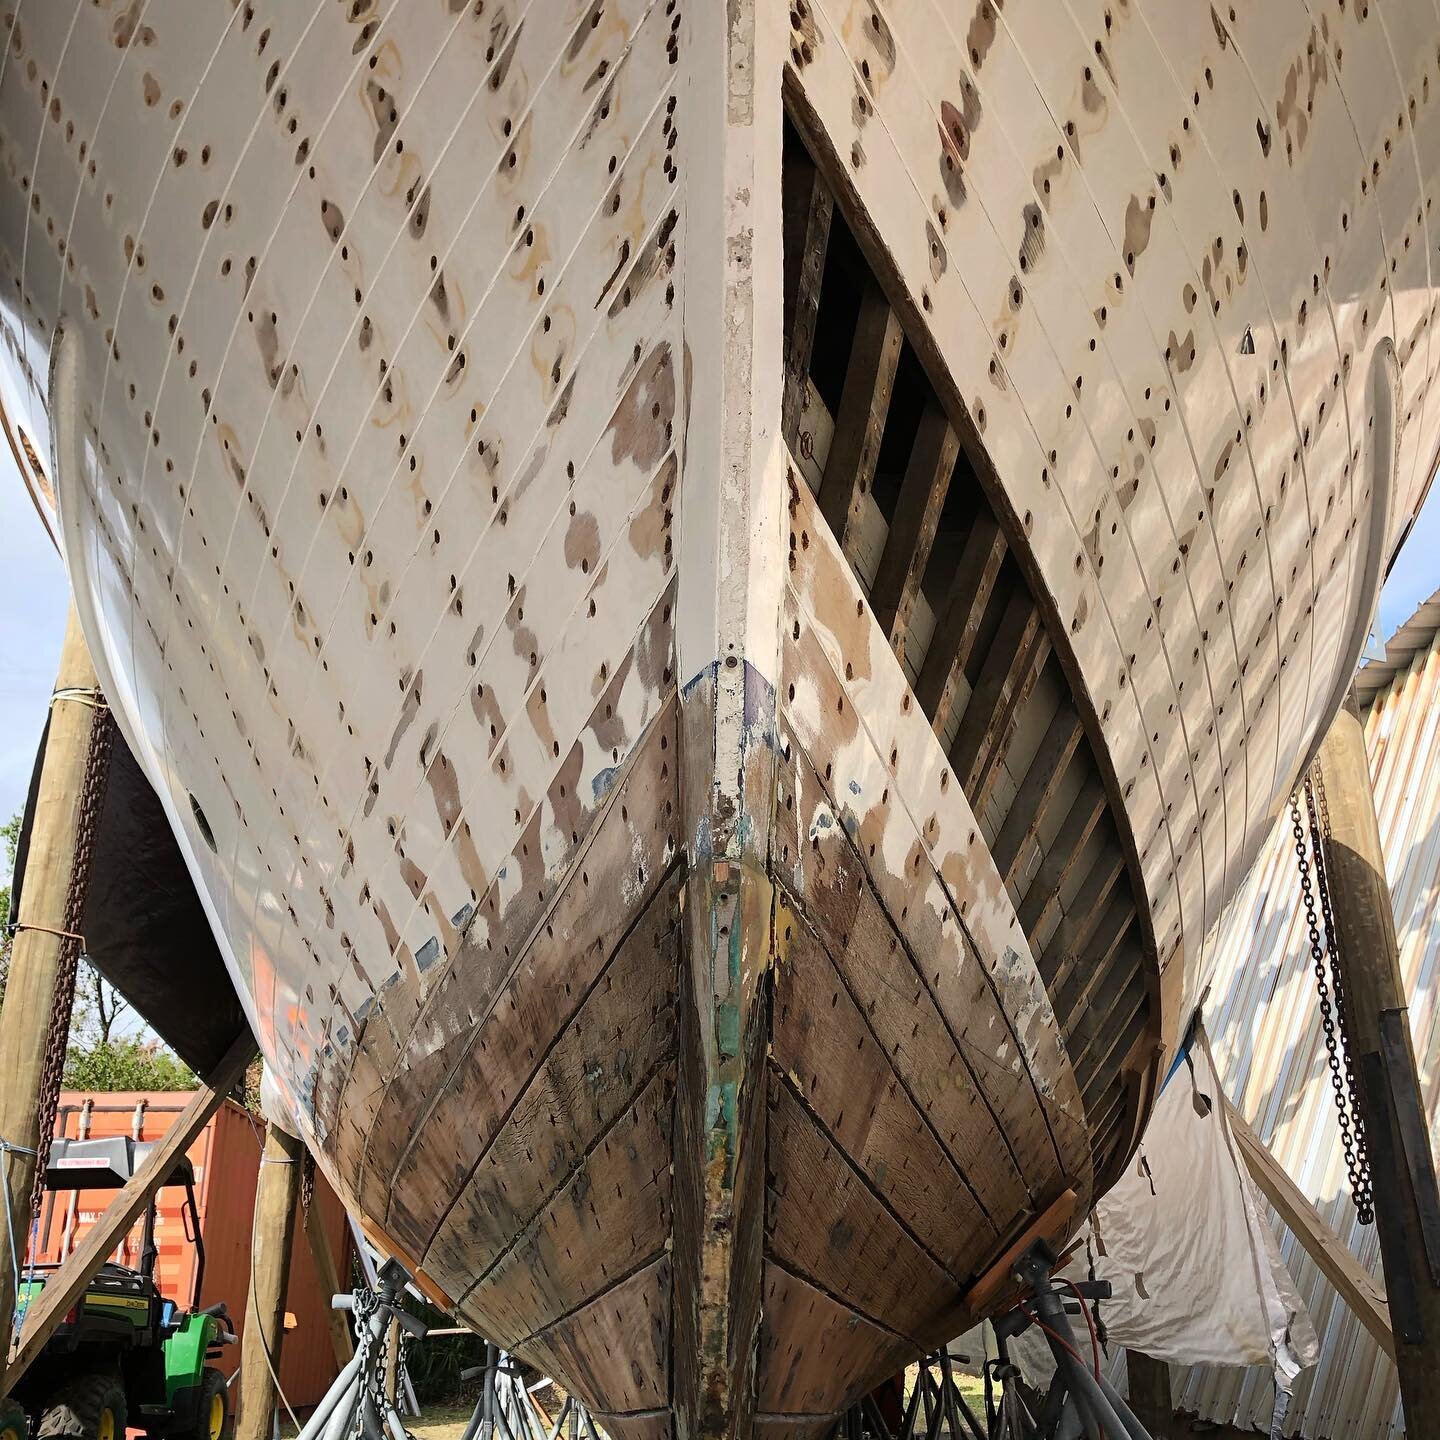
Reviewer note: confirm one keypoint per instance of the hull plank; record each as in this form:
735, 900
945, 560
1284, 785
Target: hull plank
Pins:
718, 595
831, 1060
828, 1225
815, 1351
620, 1038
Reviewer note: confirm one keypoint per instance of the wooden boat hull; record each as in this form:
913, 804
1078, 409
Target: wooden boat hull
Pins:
718, 596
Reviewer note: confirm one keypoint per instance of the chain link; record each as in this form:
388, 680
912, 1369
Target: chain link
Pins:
1328, 983
57, 1038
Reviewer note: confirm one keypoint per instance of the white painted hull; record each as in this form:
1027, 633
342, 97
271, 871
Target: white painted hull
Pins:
419, 443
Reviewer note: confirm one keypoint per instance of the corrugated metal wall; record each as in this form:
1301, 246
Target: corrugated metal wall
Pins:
1264, 1022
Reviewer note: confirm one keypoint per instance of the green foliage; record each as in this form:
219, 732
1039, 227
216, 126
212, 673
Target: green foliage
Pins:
126, 1063
10, 833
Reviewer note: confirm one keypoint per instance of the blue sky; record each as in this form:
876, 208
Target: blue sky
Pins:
33, 598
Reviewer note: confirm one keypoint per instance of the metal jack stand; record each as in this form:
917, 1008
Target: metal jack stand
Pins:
1078, 1402
507, 1411
357, 1403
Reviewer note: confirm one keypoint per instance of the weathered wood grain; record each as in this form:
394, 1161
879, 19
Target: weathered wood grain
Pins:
898, 1005
835, 1064
631, 1321
1032, 801
827, 1225
622, 1033
612, 1214
959, 618
808, 207
538, 991
815, 1352
860, 421
912, 530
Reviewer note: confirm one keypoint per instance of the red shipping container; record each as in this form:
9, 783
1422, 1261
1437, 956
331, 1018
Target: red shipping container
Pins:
226, 1157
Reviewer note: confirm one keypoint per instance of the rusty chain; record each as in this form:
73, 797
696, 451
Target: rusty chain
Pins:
57, 1037
1329, 984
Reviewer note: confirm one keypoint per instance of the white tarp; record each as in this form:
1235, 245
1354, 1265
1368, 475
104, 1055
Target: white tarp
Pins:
1183, 1241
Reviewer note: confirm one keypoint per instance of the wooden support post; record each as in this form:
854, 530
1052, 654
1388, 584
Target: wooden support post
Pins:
1150, 1393
1352, 1281
1407, 1209
328, 1273
63, 1287
42, 961
260, 1345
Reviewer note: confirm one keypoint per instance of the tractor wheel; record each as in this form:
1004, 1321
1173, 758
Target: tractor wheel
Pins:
13, 1424
90, 1407
212, 1408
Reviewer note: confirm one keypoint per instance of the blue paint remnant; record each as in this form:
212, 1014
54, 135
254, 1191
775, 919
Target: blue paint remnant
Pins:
854, 787
363, 1009
428, 953
342, 1036
851, 822
393, 978
604, 782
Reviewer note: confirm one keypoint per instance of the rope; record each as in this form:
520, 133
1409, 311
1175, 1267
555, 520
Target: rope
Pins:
79, 696
48, 930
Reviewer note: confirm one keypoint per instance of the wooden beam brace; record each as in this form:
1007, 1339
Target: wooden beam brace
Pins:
1079, 986
66, 1285
809, 208
1043, 894
1003, 671
959, 621
860, 423
912, 531
328, 1274
1037, 790
1353, 1283
1000, 735
1080, 917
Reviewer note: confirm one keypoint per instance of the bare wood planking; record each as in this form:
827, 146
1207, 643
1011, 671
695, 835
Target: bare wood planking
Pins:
1042, 895
612, 1214
1083, 984
506, 914
623, 1032
1122, 1027
898, 1004
793, 1427
826, 1224
912, 531
639, 1425
1037, 790
923, 912
632, 1320
860, 423
835, 1064
545, 983
1080, 918
809, 207
959, 620
1000, 736
1002, 676
816, 1352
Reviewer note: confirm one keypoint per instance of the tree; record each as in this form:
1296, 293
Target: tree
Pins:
10, 831
126, 1063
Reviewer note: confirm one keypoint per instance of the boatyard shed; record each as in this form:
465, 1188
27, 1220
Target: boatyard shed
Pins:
1264, 1020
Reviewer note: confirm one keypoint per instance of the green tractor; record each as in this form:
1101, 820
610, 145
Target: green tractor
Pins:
125, 1354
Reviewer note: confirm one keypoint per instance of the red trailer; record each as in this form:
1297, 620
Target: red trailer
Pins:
226, 1157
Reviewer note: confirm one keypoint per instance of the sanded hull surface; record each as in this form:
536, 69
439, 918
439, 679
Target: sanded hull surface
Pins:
718, 595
